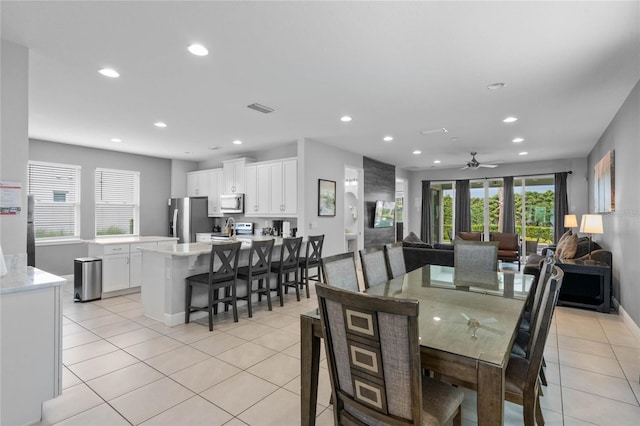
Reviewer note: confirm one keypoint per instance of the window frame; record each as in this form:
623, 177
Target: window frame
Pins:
76, 204
135, 204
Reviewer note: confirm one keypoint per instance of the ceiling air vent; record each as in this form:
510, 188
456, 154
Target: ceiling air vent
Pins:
261, 108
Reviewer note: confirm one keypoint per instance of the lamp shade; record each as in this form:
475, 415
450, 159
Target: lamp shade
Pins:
591, 224
570, 221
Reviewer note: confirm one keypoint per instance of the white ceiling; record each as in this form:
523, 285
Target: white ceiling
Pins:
397, 67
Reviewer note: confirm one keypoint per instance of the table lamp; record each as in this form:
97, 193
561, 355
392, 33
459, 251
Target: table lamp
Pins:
570, 221
591, 224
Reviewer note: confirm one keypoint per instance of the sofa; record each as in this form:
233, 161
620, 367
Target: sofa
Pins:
576, 288
418, 254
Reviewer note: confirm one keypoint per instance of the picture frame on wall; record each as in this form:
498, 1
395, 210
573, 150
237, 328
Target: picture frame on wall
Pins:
326, 197
604, 188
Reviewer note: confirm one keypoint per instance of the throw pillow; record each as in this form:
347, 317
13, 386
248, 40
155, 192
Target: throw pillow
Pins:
559, 248
564, 236
570, 247
412, 238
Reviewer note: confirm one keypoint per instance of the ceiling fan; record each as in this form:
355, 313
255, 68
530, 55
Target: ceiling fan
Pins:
475, 165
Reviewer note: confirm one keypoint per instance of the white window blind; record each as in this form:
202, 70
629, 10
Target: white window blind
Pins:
56, 200
117, 202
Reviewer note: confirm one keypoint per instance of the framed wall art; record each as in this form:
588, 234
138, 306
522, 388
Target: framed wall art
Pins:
326, 197
604, 198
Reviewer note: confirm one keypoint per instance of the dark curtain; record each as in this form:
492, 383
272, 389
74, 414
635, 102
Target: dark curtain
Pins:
561, 205
425, 223
463, 206
508, 206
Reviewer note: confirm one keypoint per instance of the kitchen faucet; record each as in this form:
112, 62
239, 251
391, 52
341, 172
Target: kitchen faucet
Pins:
230, 226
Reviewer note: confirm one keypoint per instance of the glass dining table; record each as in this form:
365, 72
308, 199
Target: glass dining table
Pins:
468, 321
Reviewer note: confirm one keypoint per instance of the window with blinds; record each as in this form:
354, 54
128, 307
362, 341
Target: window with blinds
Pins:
56, 200
117, 202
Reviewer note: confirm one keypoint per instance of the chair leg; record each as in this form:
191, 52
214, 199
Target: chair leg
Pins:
297, 284
187, 303
280, 290
233, 303
457, 419
528, 410
210, 309
543, 377
249, 287
539, 416
268, 292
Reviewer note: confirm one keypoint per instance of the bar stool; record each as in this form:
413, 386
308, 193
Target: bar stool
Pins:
258, 269
288, 264
223, 278
311, 260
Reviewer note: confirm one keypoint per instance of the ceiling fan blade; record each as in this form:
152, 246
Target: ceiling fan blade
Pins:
465, 167
491, 166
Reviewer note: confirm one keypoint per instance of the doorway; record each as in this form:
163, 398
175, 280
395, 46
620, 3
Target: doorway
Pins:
354, 214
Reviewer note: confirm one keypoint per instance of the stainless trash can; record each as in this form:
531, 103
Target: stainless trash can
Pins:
87, 279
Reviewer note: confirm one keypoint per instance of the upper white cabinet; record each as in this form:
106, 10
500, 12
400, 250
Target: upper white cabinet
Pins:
284, 187
198, 184
234, 174
216, 188
257, 190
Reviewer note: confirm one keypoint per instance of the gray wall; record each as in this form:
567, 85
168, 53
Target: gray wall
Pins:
622, 228
14, 142
319, 161
379, 184
179, 170
155, 189
576, 191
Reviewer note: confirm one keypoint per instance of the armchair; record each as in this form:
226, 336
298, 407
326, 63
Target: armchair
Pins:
509, 246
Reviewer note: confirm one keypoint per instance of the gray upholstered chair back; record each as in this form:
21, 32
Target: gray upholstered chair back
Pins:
394, 256
340, 271
475, 255
374, 267
373, 349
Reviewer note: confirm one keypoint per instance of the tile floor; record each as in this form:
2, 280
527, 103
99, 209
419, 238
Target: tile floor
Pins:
122, 368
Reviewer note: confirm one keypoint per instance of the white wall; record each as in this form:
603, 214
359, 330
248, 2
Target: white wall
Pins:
155, 189
576, 182
320, 161
622, 228
14, 141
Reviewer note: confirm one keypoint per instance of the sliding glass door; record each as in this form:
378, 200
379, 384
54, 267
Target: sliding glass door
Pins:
534, 200
441, 202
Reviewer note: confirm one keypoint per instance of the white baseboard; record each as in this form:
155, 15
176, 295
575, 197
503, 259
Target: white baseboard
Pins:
171, 320
626, 318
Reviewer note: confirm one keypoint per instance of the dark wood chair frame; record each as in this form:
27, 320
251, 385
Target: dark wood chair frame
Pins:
259, 269
223, 278
311, 260
288, 264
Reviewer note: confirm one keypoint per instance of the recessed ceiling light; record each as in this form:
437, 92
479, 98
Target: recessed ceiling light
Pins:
345, 118
160, 124
116, 140
517, 140
523, 153
387, 138
237, 142
187, 152
428, 132
213, 148
454, 139
510, 120
198, 50
416, 152
109, 72
436, 161
496, 86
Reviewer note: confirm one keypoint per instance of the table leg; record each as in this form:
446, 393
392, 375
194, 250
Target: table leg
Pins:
309, 368
490, 394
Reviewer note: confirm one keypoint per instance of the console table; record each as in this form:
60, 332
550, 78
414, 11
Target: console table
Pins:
586, 284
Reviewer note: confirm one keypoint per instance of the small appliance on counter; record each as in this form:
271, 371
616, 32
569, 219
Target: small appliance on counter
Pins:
277, 228
286, 229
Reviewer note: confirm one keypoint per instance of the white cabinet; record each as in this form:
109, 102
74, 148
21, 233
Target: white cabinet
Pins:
284, 187
234, 176
115, 272
198, 183
257, 190
216, 188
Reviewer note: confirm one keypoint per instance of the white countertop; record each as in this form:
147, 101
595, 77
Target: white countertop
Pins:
128, 240
28, 278
194, 249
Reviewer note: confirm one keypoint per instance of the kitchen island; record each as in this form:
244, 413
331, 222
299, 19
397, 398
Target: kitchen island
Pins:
165, 268
31, 350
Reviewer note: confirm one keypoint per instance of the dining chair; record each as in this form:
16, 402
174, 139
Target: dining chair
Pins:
475, 255
374, 267
258, 269
225, 256
287, 265
521, 377
340, 271
394, 258
311, 260
373, 352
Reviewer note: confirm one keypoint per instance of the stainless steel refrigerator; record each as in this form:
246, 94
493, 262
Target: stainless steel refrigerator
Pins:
188, 216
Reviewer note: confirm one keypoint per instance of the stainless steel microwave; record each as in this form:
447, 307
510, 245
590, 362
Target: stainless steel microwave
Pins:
232, 203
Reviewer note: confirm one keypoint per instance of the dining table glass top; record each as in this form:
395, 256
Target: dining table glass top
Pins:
467, 313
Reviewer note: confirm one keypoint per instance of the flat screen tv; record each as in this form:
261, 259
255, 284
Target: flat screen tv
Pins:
385, 214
